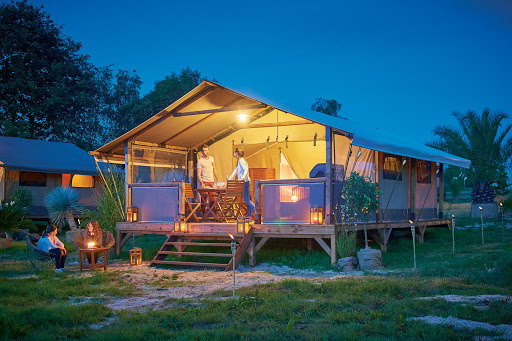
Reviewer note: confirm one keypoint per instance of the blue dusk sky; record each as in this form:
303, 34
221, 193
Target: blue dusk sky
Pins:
402, 65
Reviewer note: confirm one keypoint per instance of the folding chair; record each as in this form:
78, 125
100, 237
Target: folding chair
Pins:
40, 260
230, 204
190, 205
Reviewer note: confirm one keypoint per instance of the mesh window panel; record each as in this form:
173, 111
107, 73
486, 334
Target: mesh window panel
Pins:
288, 203
156, 204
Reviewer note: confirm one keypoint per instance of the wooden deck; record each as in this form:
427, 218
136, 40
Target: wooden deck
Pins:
324, 235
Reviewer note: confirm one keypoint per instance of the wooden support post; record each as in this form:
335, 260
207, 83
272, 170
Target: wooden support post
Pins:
441, 191
324, 245
420, 233
127, 173
260, 244
252, 253
333, 249
412, 190
121, 240
309, 244
257, 204
381, 236
328, 174
379, 156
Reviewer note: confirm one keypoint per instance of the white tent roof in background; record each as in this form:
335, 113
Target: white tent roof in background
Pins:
190, 131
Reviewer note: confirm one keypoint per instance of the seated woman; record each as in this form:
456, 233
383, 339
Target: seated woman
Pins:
50, 243
93, 234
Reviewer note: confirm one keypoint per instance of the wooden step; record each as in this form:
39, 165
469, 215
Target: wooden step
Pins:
199, 244
169, 262
195, 254
205, 235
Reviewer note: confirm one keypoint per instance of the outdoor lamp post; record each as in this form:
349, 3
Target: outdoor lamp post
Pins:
413, 232
502, 221
482, 221
132, 214
233, 251
453, 234
136, 256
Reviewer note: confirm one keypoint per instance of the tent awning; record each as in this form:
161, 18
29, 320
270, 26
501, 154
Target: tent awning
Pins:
209, 112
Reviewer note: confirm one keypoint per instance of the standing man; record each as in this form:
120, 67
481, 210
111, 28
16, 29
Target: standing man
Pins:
206, 170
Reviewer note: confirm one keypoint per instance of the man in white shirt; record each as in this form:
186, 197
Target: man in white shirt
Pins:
206, 170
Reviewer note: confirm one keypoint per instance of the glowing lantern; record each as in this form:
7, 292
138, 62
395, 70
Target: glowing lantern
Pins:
132, 214
316, 215
180, 225
136, 256
242, 224
90, 245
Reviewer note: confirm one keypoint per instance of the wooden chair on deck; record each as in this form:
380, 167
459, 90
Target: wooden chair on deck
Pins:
231, 203
190, 205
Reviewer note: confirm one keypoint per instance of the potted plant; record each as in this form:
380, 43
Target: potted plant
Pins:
361, 197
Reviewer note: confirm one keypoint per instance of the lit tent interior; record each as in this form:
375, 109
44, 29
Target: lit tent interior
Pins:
288, 141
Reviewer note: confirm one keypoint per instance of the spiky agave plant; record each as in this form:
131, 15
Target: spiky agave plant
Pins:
61, 203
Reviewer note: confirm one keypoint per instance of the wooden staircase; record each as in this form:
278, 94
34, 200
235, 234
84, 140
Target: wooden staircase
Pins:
177, 243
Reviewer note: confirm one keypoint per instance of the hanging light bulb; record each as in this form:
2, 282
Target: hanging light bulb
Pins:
242, 116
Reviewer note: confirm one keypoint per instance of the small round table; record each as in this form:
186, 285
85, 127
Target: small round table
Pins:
91, 252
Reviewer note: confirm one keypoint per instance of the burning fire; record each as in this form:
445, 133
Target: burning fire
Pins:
90, 245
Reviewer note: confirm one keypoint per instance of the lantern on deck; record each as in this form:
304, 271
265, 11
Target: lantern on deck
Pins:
242, 224
180, 225
316, 215
136, 256
132, 214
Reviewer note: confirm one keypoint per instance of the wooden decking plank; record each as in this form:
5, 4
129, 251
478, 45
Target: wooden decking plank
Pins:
169, 262
206, 254
200, 244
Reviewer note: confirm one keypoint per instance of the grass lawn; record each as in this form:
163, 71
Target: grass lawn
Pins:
375, 305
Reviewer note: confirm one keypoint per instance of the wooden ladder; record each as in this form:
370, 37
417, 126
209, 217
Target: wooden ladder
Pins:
178, 242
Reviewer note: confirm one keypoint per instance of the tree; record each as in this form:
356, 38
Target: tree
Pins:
48, 89
166, 91
327, 106
484, 141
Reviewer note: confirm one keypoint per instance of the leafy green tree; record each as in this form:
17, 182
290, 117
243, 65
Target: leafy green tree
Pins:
49, 89
165, 92
485, 141
327, 106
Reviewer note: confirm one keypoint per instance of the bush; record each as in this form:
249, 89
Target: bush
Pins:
22, 198
11, 217
110, 206
346, 243
507, 204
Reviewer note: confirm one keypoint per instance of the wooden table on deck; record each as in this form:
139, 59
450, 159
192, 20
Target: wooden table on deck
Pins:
208, 197
92, 251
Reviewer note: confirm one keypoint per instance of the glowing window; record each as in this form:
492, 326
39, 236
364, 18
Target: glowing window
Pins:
391, 168
32, 179
82, 181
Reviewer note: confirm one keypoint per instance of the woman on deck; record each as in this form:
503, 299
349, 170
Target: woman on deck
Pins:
51, 244
242, 173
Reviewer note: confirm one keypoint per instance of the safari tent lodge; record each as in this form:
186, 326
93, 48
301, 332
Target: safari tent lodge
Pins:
298, 161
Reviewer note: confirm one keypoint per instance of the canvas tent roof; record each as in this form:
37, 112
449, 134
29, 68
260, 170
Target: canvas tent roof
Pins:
209, 111
42, 156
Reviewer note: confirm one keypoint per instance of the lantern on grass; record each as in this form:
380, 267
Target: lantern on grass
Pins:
136, 256
316, 215
242, 224
180, 224
132, 214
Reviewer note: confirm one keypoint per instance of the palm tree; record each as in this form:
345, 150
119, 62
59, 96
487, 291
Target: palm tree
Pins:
60, 203
482, 140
